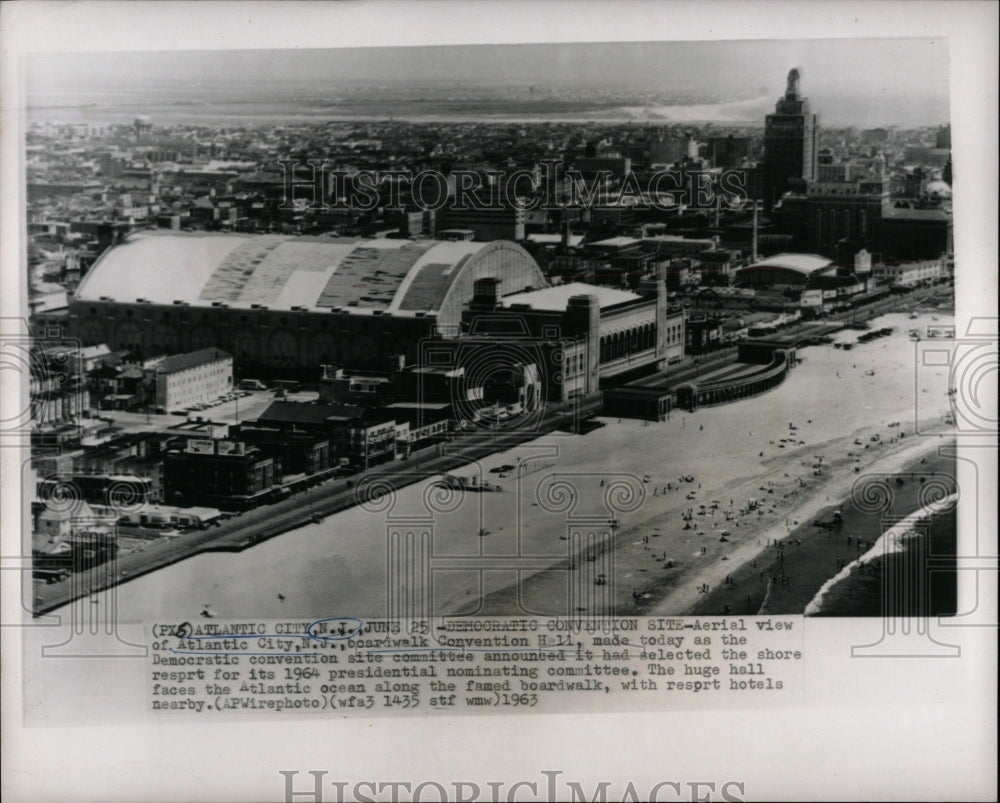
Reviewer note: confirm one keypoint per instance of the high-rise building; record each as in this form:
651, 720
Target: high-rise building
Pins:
791, 135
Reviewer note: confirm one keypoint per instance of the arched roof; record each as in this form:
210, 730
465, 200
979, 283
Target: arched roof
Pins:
940, 187
398, 277
805, 264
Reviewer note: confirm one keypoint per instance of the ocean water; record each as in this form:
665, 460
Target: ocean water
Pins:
907, 574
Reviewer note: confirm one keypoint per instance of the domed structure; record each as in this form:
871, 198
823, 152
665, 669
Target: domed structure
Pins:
285, 305
782, 270
938, 188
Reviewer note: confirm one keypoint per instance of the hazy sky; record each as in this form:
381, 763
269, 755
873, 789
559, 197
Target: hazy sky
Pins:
869, 77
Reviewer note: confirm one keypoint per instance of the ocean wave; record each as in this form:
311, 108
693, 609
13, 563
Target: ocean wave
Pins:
892, 541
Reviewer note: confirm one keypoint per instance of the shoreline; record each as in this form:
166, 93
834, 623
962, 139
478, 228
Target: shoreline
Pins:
893, 541
678, 590
808, 557
878, 584
799, 449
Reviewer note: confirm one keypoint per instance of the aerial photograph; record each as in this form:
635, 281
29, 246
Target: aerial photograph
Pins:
492, 330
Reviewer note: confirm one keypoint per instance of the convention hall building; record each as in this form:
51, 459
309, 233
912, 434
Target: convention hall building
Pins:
301, 307
282, 306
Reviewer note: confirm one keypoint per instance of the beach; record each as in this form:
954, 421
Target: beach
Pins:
787, 575
663, 568
882, 581
511, 551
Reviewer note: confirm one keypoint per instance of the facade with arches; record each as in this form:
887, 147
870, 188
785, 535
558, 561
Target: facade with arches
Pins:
585, 337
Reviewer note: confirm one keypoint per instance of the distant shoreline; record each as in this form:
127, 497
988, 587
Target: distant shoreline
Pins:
746, 115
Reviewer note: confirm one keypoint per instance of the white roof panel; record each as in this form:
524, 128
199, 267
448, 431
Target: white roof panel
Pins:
557, 297
158, 268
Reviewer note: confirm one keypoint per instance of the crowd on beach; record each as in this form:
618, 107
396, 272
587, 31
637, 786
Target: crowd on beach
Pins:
721, 527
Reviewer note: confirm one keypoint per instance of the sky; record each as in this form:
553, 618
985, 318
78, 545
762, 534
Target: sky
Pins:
855, 81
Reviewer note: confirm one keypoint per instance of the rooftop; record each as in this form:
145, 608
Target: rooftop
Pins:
555, 239
285, 272
801, 263
915, 214
556, 298
615, 242
306, 413
192, 359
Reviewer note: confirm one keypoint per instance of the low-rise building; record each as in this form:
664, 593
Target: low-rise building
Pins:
359, 436
169, 516
908, 274
183, 380
299, 452
226, 474
109, 490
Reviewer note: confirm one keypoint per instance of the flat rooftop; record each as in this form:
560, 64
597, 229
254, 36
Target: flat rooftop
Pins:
616, 242
555, 239
556, 298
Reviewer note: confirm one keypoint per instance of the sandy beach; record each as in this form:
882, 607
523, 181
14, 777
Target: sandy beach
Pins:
510, 552
786, 575
668, 565
663, 569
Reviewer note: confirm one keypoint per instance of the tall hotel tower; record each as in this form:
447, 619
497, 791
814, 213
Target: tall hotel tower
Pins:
791, 138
